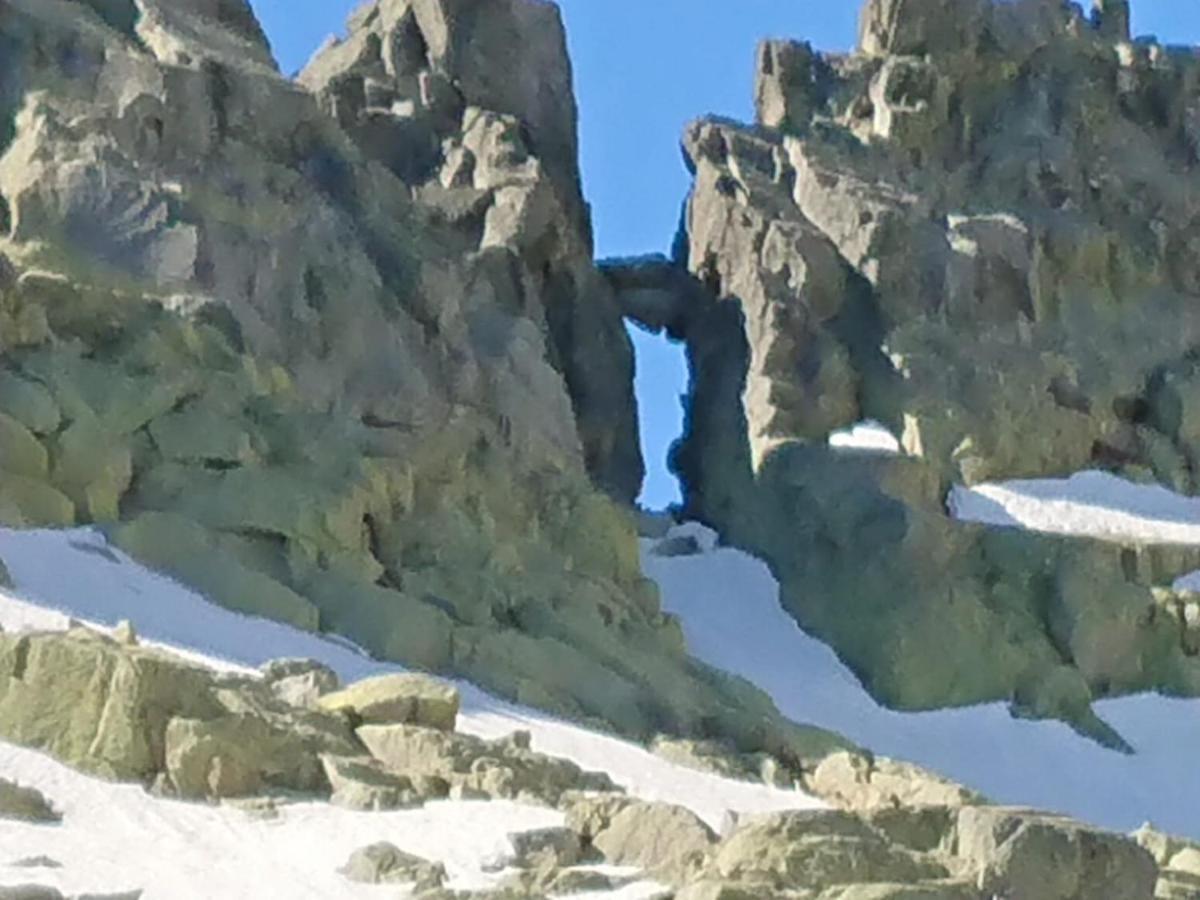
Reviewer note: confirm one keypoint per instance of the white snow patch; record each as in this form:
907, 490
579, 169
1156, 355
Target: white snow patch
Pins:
181, 851
732, 618
1088, 504
869, 436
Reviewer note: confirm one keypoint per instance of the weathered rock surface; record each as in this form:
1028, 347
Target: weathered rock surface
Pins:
335, 351
300, 682
864, 784
669, 842
897, 852
127, 713
972, 229
397, 700
474, 768
1018, 853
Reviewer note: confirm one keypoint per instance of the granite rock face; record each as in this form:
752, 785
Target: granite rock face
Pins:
974, 229
334, 350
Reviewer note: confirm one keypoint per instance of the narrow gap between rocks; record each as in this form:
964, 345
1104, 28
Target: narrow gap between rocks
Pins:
660, 384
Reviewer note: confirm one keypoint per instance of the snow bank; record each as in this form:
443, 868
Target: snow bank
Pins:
732, 618
115, 837
1088, 504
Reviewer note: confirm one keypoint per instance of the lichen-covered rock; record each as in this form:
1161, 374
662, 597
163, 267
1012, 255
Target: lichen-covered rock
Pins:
397, 700
94, 704
1019, 853
129, 713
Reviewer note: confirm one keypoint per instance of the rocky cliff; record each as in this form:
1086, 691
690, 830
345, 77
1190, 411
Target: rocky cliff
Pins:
334, 351
978, 228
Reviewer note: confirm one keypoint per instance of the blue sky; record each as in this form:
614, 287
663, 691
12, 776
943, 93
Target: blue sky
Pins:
643, 69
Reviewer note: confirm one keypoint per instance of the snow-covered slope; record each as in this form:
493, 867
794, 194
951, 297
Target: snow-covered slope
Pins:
729, 604
117, 837
1088, 504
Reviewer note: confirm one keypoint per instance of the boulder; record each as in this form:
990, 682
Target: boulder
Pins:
363, 784
590, 813
94, 704
300, 682
385, 863
670, 842
397, 699
243, 754
26, 804
555, 848
502, 769
30, 503
130, 713
29, 403
817, 850
1018, 852
862, 783
21, 453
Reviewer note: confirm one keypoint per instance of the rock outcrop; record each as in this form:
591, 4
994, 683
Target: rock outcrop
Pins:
936, 852
132, 714
334, 351
974, 229
127, 713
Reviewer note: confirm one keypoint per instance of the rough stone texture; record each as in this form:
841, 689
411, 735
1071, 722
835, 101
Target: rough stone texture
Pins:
472, 767
128, 713
397, 700
364, 784
1019, 853
972, 229
414, 84
669, 842
334, 352
300, 682
816, 850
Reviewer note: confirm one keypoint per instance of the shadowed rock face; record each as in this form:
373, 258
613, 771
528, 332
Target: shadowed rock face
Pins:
973, 229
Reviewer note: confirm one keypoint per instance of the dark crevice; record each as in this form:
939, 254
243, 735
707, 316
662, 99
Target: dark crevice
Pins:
220, 93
